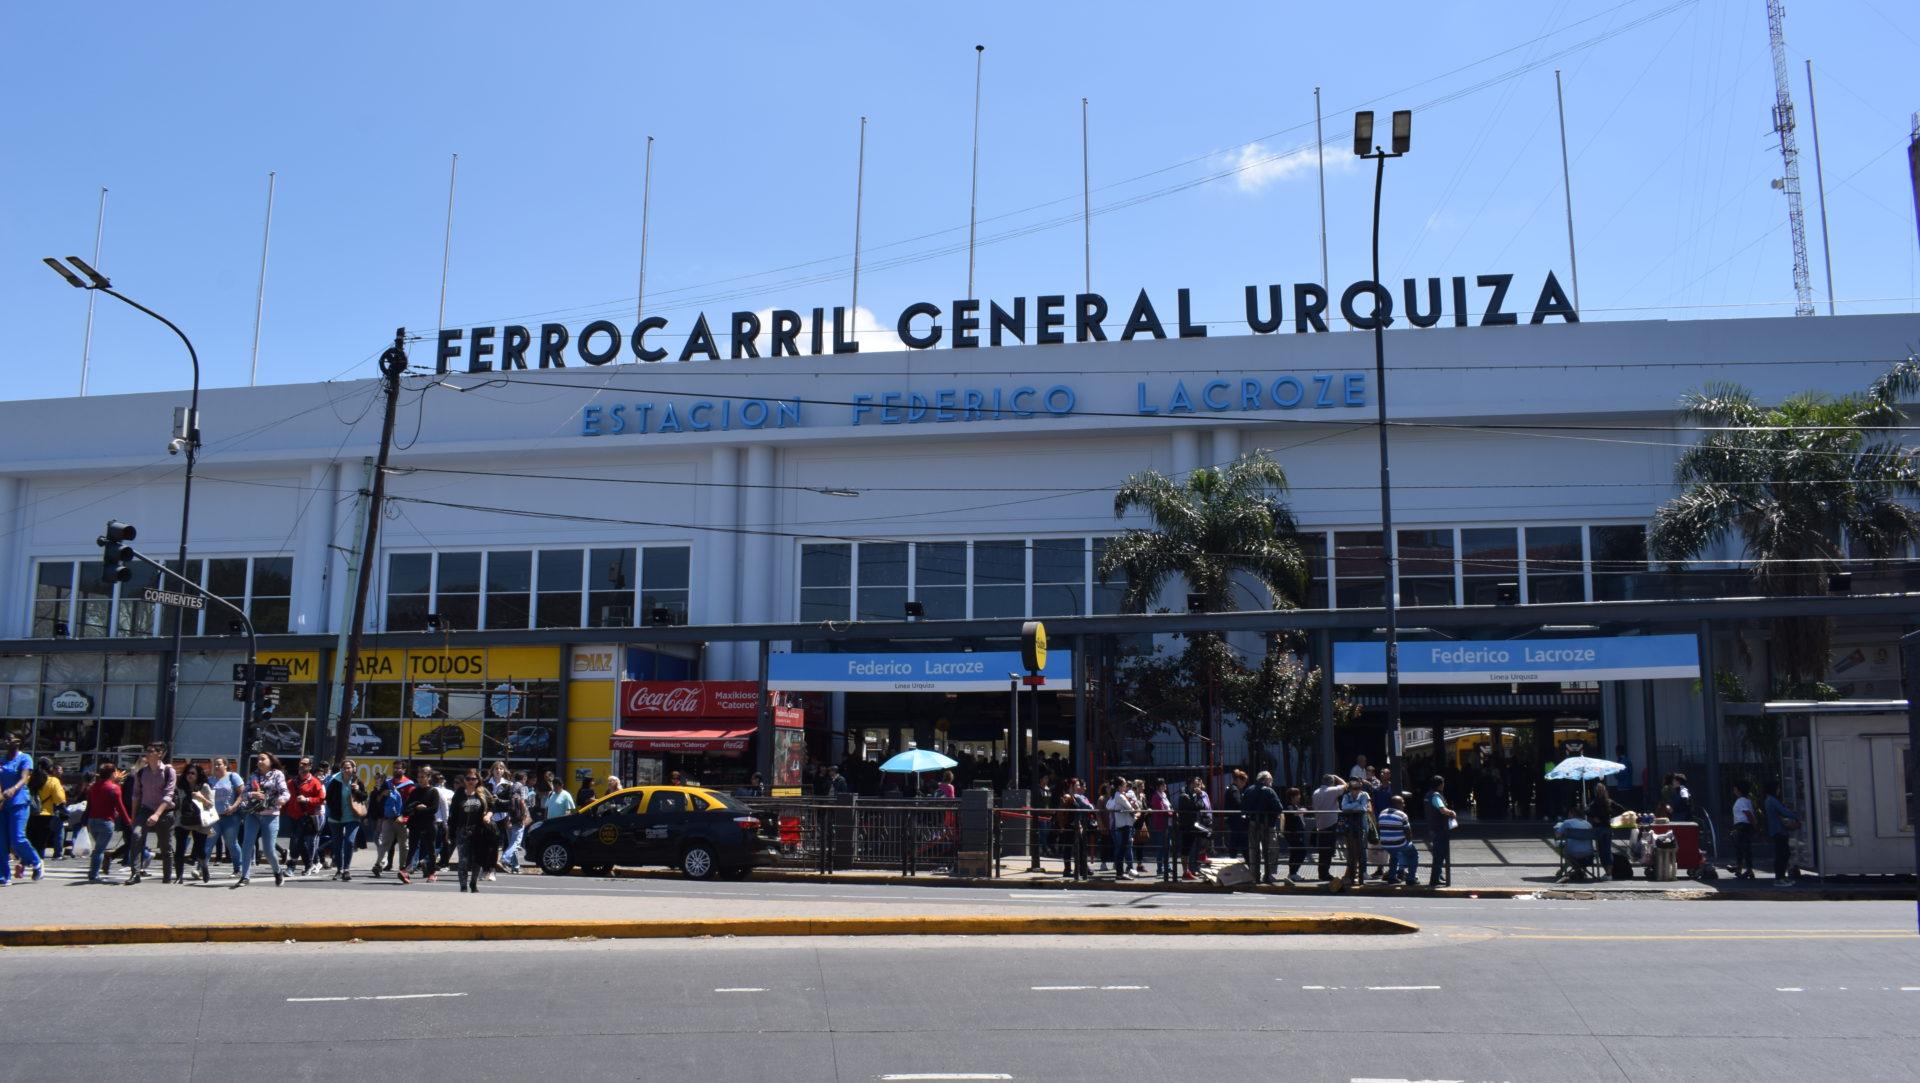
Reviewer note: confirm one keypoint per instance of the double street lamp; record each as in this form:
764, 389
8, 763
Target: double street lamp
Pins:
1365, 148
186, 440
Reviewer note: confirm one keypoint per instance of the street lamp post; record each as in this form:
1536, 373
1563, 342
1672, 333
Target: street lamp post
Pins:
1364, 148
186, 441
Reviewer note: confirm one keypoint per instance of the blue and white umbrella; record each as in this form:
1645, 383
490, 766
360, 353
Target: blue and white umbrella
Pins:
915, 760
1585, 768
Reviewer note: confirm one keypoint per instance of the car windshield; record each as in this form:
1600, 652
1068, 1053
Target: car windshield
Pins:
719, 802
616, 806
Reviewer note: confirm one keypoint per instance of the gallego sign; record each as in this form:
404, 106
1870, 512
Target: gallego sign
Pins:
1511, 661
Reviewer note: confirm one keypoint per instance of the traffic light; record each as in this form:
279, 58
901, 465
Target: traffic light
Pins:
116, 556
266, 700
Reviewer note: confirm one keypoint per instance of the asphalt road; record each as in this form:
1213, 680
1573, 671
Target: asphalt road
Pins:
1490, 990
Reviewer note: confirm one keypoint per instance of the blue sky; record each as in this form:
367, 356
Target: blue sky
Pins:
181, 110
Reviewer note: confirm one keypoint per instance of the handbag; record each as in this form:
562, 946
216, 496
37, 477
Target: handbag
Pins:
359, 808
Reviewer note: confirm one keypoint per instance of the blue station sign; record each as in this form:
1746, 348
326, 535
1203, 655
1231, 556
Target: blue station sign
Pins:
979, 671
1504, 661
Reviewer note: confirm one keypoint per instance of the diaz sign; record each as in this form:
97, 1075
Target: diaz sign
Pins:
1363, 305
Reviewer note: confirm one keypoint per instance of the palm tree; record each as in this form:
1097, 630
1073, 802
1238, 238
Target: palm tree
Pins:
1221, 524
1791, 480
1217, 530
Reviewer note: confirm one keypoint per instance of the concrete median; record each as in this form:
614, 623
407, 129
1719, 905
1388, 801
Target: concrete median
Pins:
1335, 924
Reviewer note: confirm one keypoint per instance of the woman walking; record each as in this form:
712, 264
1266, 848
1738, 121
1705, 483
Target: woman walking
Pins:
49, 808
228, 788
193, 805
1356, 818
346, 810
105, 808
470, 822
1160, 829
266, 795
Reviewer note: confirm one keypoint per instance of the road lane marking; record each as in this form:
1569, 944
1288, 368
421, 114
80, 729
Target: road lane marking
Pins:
389, 996
1399, 988
1789, 989
741, 989
1087, 988
1396, 1079
904, 1076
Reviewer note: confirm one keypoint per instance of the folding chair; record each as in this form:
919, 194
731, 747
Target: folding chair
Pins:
1577, 854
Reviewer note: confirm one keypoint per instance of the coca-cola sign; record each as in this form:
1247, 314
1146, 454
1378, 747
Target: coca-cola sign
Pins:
684, 700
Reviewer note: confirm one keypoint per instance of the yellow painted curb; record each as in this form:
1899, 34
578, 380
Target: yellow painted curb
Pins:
1336, 924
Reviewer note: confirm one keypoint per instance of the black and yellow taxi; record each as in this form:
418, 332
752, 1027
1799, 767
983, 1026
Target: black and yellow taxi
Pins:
701, 832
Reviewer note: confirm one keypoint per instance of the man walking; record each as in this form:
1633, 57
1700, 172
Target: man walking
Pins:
423, 811
1260, 805
390, 835
16, 805
1745, 824
1782, 822
1326, 817
1440, 820
150, 792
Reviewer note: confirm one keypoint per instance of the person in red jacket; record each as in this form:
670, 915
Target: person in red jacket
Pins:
306, 798
105, 808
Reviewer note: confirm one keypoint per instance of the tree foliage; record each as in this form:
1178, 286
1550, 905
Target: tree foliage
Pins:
1790, 481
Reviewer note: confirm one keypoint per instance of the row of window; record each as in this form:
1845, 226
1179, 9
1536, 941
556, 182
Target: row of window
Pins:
69, 593
1466, 565
545, 588
954, 580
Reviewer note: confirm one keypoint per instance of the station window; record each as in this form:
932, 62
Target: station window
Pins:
1426, 567
1059, 577
999, 579
1359, 569
70, 593
826, 578
1489, 556
1619, 557
953, 580
547, 588
1555, 565
882, 593
940, 579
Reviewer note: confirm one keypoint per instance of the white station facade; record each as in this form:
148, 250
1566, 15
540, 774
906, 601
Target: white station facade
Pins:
975, 482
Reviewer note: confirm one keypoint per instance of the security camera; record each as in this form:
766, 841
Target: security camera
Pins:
176, 445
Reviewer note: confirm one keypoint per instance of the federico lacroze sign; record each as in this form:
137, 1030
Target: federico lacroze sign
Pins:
1625, 658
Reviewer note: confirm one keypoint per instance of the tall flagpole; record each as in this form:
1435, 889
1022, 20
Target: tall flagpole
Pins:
646, 203
1086, 197
1820, 184
1320, 151
1566, 185
859, 197
446, 251
973, 198
260, 295
86, 343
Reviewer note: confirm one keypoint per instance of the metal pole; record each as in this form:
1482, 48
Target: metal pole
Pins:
392, 364
1320, 152
1910, 671
1388, 549
1820, 186
973, 197
1566, 186
260, 295
765, 728
646, 204
446, 250
86, 343
170, 693
1013, 732
1710, 717
356, 563
1086, 198
859, 200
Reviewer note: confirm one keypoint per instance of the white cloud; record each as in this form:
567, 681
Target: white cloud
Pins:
873, 336
1260, 165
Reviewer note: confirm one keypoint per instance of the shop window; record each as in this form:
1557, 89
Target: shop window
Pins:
1619, 556
999, 579
1489, 556
1059, 577
409, 591
509, 589
882, 591
270, 595
559, 588
1555, 565
1426, 567
940, 579
1313, 547
665, 576
1359, 569
826, 580
195, 573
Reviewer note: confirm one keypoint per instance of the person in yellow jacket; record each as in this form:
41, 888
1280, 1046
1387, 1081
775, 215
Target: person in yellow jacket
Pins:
48, 827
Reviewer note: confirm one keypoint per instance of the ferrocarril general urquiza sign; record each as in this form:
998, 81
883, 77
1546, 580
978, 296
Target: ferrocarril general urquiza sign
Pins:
1045, 320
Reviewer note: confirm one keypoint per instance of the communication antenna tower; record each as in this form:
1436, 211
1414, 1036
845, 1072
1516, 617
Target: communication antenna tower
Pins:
1789, 156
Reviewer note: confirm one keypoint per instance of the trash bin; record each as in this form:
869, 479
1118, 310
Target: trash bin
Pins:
1666, 858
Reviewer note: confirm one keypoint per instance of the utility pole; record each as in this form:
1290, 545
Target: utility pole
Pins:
392, 364
1913, 168
355, 566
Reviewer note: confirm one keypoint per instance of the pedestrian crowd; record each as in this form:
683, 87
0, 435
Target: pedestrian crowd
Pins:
305, 819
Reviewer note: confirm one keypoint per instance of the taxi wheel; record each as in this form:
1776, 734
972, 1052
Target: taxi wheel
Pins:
555, 859
698, 862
